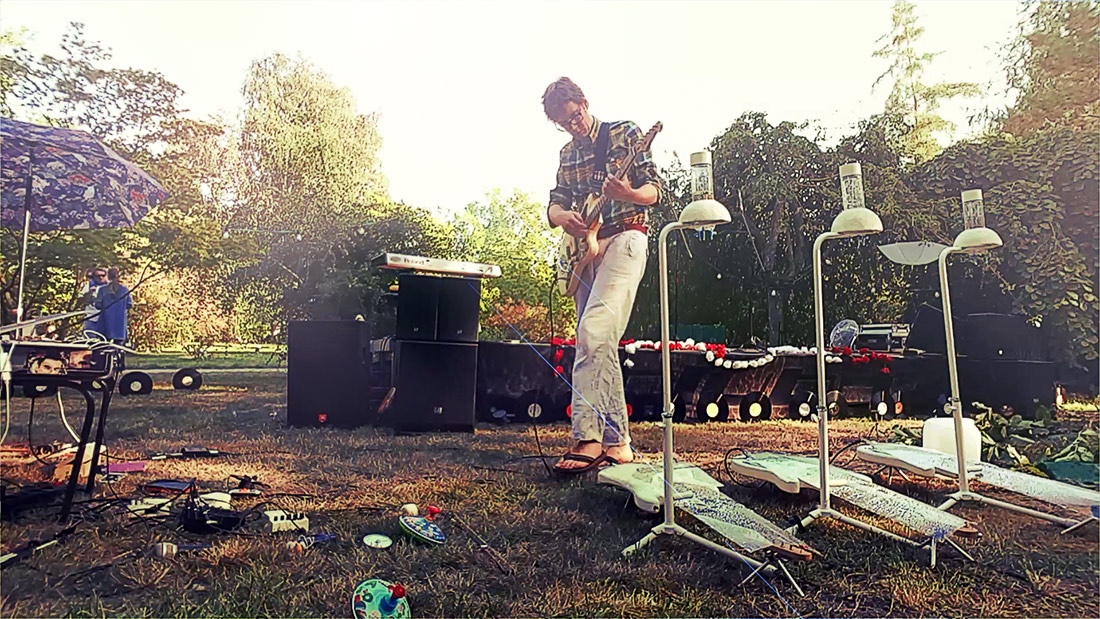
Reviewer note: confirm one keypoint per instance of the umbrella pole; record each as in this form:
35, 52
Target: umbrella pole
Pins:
22, 265
26, 232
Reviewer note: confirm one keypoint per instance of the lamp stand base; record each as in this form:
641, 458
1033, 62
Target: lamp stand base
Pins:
767, 567
1070, 524
822, 513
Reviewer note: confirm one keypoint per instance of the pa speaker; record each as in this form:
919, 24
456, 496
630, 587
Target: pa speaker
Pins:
927, 332
328, 373
459, 305
435, 385
1001, 336
444, 309
417, 307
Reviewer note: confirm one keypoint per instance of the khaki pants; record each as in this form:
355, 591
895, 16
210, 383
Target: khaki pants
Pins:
604, 302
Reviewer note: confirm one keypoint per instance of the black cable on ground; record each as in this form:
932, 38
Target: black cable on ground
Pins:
845, 448
538, 444
726, 465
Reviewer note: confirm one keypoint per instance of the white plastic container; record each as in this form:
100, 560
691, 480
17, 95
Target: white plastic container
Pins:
939, 434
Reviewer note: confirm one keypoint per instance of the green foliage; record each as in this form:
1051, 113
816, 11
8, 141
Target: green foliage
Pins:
1084, 448
1041, 195
512, 232
1052, 64
910, 98
905, 436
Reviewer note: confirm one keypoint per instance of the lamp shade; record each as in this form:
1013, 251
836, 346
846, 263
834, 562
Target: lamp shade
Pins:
701, 213
975, 240
856, 222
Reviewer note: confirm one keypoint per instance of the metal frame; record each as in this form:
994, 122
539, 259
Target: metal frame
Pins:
824, 509
669, 525
964, 493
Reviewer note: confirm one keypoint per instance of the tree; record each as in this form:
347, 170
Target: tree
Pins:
310, 176
1052, 65
126, 108
772, 180
1035, 189
512, 232
910, 98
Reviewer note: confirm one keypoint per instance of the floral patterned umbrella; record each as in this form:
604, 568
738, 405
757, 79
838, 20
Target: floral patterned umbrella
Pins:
54, 179
67, 179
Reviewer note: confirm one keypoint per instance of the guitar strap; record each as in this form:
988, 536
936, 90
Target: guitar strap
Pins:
599, 170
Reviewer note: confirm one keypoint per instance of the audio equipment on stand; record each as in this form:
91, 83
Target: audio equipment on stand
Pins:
435, 383
434, 371
328, 373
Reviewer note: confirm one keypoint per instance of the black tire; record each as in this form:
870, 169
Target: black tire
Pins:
755, 406
135, 383
187, 378
712, 409
882, 406
39, 390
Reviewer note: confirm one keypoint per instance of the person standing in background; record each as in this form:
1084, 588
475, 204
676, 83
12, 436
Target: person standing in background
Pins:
113, 302
97, 278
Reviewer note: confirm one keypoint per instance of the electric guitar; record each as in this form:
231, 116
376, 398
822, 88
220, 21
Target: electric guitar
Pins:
575, 255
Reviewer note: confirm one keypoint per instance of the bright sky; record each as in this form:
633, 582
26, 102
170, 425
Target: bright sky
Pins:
458, 84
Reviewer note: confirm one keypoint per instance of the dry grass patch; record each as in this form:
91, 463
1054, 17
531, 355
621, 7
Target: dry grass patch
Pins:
562, 538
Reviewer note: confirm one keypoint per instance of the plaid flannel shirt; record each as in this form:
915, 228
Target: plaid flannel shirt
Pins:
577, 163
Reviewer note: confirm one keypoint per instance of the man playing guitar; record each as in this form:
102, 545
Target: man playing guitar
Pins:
605, 296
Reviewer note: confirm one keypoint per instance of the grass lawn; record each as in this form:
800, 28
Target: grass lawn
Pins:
563, 538
177, 360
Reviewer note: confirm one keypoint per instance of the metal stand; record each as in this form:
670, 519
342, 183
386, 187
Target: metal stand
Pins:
669, 526
964, 493
824, 509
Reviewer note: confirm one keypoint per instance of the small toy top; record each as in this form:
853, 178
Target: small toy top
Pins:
378, 599
421, 528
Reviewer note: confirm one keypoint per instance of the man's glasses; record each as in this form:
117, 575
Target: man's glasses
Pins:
574, 119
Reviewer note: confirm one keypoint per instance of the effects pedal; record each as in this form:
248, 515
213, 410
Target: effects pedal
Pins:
280, 520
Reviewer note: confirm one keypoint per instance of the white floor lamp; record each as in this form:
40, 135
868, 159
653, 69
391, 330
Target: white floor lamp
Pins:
975, 239
704, 212
855, 220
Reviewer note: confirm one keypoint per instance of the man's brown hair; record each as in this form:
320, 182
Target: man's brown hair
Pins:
557, 94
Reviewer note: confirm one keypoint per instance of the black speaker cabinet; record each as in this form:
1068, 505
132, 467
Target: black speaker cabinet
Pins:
459, 306
417, 307
328, 373
1000, 336
443, 309
436, 384
927, 332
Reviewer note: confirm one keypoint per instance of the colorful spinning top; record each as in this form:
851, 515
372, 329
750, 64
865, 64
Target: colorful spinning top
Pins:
378, 599
422, 528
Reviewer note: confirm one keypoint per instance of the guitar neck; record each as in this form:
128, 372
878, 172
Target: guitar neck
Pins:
597, 205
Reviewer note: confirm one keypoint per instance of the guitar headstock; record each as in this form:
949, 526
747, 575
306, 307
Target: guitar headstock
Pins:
647, 139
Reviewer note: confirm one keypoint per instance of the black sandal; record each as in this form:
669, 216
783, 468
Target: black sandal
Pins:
590, 463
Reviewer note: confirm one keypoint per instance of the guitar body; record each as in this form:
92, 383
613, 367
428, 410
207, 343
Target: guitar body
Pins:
575, 255
582, 253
